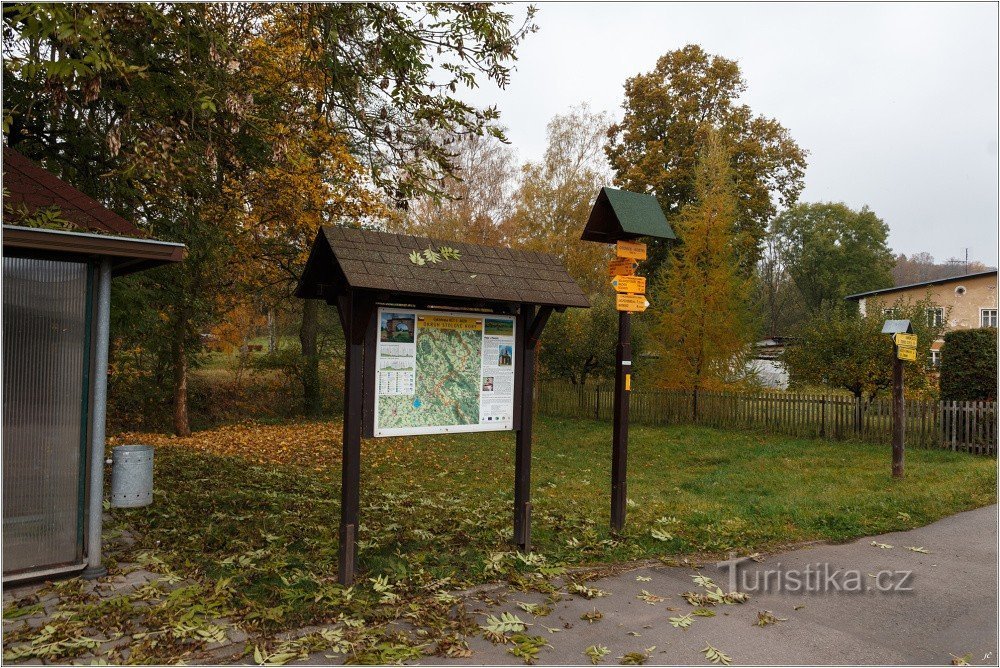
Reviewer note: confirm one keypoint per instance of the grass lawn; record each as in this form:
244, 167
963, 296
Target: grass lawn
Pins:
444, 503
256, 507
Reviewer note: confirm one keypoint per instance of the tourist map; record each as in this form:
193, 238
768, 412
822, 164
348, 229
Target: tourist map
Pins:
443, 371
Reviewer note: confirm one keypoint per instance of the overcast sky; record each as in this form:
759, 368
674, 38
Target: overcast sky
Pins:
896, 103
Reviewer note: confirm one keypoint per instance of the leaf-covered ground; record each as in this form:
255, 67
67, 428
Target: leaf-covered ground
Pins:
244, 523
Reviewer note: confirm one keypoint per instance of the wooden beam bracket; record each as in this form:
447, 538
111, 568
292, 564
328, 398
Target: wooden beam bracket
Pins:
536, 326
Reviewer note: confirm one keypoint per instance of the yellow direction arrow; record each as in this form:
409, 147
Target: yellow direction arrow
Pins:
635, 284
633, 249
905, 340
631, 303
908, 354
622, 266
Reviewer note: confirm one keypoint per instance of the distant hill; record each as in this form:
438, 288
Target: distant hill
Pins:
921, 267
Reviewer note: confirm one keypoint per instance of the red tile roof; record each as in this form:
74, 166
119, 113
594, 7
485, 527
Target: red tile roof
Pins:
26, 183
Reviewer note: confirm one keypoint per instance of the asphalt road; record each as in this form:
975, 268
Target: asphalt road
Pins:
949, 610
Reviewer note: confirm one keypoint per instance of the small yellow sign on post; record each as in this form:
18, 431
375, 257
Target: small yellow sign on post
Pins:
905, 340
635, 284
631, 303
908, 354
622, 266
633, 249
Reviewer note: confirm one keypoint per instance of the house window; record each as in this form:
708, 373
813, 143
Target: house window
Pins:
987, 317
935, 358
889, 313
935, 316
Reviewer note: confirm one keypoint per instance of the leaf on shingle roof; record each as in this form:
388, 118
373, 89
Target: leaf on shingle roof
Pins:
373, 260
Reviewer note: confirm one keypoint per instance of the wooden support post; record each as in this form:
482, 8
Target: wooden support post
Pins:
522, 455
355, 315
898, 416
619, 438
530, 327
368, 373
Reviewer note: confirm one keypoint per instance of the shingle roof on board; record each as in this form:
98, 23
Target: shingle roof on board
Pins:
380, 261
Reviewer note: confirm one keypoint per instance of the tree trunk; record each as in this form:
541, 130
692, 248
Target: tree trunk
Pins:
858, 412
312, 400
182, 425
272, 331
775, 313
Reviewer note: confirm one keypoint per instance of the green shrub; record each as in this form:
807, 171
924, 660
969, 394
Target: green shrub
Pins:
969, 365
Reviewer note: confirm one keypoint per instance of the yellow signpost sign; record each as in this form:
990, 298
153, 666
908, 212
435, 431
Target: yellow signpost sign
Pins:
633, 249
908, 354
905, 340
631, 303
636, 284
622, 266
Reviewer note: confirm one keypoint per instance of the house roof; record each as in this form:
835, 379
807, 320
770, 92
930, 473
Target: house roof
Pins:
25, 183
346, 258
909, 286
98, 231
620, 214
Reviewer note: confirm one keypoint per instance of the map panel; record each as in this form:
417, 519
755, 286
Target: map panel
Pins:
443, 372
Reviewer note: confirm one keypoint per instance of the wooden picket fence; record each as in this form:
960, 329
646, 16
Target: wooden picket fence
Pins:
967, 426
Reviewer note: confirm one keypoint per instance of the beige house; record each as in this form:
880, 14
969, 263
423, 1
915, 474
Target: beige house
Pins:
961, 302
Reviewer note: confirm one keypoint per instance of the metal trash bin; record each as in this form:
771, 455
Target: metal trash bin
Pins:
132, 476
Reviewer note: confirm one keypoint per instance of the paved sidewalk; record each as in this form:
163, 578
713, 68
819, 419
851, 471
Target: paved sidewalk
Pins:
950, 612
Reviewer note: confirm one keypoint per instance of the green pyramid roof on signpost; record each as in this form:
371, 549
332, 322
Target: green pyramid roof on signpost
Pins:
619, 214
897, 327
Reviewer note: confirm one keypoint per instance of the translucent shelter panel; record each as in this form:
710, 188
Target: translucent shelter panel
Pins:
44, 355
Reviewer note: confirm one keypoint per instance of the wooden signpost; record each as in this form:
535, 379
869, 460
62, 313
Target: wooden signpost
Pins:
631, 249
629, 299
622, 266
905, 346
633, 284
618, 218
631, 303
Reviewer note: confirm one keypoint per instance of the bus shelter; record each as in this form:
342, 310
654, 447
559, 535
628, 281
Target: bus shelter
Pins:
56, 319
